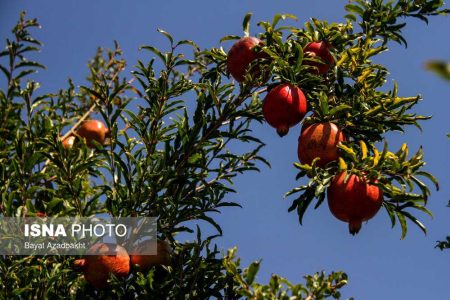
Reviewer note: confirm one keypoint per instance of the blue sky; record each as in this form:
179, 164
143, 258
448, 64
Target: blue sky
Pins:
379, 264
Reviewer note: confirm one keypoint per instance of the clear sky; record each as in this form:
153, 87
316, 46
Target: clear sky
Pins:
379, 264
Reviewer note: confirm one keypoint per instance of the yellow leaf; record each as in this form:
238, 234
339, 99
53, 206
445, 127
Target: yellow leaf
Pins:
363, 149
364, 75
348, 150
342, 60
391, 155
342, 164
376, 156
403, 152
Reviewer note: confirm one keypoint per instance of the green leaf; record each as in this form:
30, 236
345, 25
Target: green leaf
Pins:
353, 8
188, 42
155, 51
440, 68
230, 37
402, 220
279, 17
350, 17
211, 221
324, 108
251, 272
25, 73
54, 202
415, 221
27, 63
339, 109
167, 35
5, 71
246, 24
390, 209
298, 56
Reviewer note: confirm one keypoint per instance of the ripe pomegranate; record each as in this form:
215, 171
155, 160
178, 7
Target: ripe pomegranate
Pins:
353, 201
284, 107
319, 140
68, 142
145, 262
100, 262
241, 55
93, 130
319, 50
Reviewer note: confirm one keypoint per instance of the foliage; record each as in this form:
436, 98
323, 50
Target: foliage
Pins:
440, 68
168, 158
318, 286
355, 97
444, 244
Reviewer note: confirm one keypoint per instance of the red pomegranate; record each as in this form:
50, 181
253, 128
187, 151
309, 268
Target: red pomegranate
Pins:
353, 201
319, 140
241, 55
68, 142
93, 130
321, 51
284, 107
145, 262
102, 260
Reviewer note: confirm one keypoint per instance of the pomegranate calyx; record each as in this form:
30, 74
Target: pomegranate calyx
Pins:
354, 226
282, 130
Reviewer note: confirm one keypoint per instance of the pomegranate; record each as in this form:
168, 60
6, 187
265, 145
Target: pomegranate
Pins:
353, 201
145, 262
68, 142
319, 140
284, 107
96, 268
241, 55
93, 130
321, 51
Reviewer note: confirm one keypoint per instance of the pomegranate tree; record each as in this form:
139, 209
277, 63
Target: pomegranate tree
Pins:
178, 148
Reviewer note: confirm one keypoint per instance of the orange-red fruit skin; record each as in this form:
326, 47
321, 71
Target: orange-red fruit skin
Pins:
319, 50
96, 268
284, 106
353, 201
241, 55
319, 140
145, 262
93, 130
68, 142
